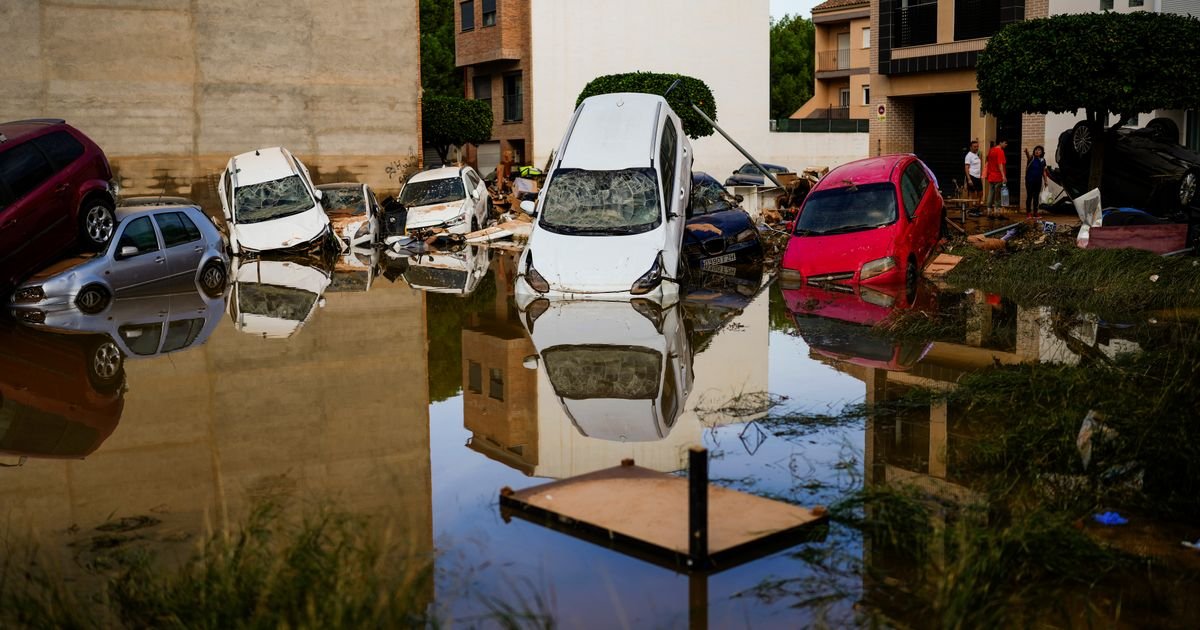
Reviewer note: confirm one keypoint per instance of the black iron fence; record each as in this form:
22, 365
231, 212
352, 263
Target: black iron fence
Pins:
821, 125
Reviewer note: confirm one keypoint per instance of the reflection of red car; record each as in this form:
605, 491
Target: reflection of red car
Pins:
53, 401
835, 321
873, 221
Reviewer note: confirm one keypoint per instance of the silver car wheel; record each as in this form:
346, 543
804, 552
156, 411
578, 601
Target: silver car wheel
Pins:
99, 223
212, 277
1082, 140
90, 299
107, 360
1187, 188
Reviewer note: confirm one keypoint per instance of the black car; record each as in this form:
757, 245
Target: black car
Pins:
749, 175
1143, 168
718, 234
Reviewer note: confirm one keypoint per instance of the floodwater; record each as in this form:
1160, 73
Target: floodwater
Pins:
415, 388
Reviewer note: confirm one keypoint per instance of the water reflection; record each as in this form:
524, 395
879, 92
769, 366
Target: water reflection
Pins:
275, 298
441, 271
838, 322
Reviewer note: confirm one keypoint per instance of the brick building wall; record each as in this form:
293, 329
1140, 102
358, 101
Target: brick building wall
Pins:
497, 52
893, 134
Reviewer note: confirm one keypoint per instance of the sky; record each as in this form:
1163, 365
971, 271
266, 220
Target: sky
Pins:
780, 8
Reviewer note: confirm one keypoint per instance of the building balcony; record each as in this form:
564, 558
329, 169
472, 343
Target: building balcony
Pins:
833, 60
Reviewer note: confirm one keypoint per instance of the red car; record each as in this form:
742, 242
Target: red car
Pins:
874, 221
56, 190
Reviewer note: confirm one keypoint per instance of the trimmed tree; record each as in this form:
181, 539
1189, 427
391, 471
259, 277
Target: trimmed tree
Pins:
447, 121
1124, 63
690, 90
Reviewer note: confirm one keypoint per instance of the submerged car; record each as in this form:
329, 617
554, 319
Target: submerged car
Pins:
749, 175
56, 190
270, 203
353, 212
447, 272
718, 233
609, 222
355, 270
622, 371
874, 221
450, 198
1143, 168
275, 298
157, 249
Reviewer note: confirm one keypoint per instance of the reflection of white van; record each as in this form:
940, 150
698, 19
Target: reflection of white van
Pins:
622, 371
274, 298
610, 218
270, 203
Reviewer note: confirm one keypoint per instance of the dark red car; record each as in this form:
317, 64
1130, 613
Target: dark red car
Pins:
56, 190
874, 221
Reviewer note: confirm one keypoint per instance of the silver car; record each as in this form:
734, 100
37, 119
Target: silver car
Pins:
157, 249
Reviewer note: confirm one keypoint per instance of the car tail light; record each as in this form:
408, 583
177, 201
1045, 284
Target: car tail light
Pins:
649, 280
790, 278
29, 294
535, 279
876, 267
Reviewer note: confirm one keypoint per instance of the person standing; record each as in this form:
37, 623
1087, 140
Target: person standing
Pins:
973, 167
996, 176
1035, 175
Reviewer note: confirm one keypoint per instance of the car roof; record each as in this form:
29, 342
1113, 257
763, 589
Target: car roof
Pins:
339, 185
701, 176
614, 131
865, 171
262, 165
18, 129
127, 211
445, 172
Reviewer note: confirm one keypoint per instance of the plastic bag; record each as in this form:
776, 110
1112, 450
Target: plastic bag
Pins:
1046, 197
1004, 195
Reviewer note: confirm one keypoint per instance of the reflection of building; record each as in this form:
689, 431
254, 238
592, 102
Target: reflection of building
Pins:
336, 413
842, 38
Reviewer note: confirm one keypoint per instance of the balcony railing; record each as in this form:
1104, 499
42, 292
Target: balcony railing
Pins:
828, 60
820, 125
915, 25
832, 112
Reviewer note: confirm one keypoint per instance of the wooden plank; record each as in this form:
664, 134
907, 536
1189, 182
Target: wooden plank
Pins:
941, 265
1159, 239
650, 507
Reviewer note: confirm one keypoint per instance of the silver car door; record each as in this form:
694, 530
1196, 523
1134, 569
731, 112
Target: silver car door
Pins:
139, 263
183, 244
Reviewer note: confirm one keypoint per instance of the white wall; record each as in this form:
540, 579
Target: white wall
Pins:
724, 44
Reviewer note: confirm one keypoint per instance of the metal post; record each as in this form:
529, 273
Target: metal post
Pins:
698, 507
736, 145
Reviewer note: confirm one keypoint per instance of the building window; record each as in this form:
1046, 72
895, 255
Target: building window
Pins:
974, 19
866, 95
844, 97
481, 87
468, 15
866, 39
914, 22
489, 12
513, 104
1136, 3
1106, 5
474, 377
496, 383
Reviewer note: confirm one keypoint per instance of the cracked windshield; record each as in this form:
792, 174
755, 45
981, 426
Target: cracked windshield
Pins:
919, 350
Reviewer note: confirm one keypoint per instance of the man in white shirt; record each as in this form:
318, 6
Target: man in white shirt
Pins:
973, 167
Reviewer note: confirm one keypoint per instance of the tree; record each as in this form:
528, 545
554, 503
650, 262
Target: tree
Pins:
1124, 63
689, 90
792, 41
447, 121
439, 76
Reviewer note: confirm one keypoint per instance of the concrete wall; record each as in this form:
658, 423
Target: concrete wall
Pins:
188, 83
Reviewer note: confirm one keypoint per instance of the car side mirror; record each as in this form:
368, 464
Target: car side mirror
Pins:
530, 362
528, 207
318, 194
791, 226
128, 251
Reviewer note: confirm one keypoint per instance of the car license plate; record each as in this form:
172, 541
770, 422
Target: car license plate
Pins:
724, 270
717, 260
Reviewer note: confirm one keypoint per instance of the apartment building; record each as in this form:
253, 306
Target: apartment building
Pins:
841, 85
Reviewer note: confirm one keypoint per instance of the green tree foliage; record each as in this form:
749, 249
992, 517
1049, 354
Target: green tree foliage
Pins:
439, 77
689, 90
456, 121
1124, 63
792, 64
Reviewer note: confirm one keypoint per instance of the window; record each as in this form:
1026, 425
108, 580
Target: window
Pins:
142, 339
666, 162
468, 15
140, 234
481, 87
912, 187
844, 97
513, 104
474, 377
866, 95
24, 169
489, 12
866, 38
1106, 5
182, 334
1136, 3
60, 147
176, 229
496, 383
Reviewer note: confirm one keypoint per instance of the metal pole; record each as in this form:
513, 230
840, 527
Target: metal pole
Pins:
736, 145
698, 507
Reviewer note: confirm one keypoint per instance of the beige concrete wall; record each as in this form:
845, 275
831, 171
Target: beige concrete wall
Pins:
192, 82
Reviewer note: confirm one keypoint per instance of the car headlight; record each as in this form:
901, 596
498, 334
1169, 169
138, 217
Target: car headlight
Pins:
871, 296
362, 229
876, 267
790, 278
462, 218
535, 279
747, 234
29, 294
649, 280
31, 317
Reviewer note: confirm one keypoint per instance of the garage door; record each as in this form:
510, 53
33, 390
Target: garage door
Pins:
488, 156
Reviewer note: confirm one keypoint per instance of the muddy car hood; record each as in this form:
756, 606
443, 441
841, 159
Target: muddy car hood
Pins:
726, 223
837, 253
427, 216
341, 220
283, 233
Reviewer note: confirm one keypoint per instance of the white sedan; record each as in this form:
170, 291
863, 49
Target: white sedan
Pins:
450, 198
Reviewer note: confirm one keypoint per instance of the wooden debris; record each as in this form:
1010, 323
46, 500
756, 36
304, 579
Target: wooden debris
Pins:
1160, 239
941, 265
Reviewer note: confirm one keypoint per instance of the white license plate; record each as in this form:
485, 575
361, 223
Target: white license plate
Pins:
723, 270
717, 260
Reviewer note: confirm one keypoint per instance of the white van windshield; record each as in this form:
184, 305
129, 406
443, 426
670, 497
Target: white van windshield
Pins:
598, 203
271, 200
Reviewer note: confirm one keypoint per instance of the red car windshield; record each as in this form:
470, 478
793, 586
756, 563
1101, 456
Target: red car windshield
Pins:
848, 209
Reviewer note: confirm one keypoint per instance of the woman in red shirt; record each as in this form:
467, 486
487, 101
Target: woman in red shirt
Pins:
996, 176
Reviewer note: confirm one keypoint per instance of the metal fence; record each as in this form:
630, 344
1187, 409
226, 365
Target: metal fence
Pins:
821, 125
833, 60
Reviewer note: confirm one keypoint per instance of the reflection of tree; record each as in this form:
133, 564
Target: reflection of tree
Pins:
445, 315
780, 317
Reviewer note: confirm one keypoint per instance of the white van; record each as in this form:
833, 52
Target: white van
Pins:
609, 221
270, 203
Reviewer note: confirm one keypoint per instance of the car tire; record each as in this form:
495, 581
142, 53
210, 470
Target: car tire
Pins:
97, 223
106, 365
910, 279
212, 278
1163, 130
1189, 188
92, 299
1084, 136
474, 224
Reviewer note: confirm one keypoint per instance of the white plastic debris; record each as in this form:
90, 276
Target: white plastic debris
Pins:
1154, 278
1056, 266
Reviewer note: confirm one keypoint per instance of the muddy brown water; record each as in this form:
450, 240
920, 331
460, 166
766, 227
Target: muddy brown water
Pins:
405, 388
